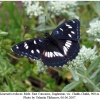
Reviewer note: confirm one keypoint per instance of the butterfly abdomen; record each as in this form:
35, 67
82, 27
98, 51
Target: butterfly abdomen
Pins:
55, 43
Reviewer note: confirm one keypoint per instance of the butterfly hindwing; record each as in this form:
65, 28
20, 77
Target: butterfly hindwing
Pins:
52, 56
68, 30
31, 48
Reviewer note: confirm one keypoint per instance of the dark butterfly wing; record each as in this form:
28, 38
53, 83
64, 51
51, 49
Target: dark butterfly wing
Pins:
53, 56
31, 48
68, 30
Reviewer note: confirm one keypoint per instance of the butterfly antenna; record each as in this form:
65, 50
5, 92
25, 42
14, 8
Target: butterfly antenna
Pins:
29, 29
45, 24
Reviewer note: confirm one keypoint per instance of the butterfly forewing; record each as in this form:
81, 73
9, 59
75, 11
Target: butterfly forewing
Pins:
68, 30
31, 48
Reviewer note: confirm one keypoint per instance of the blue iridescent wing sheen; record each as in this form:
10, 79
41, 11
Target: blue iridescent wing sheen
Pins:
52, 56
32, 48
68, 30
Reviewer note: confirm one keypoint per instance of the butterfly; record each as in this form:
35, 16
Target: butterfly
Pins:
55, 49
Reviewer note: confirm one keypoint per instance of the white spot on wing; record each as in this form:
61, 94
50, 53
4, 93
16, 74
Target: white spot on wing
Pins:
69, 35
69, 41
17, 47
37, 50
56, 54
65, 50
68, 44
34, 42
73, 21
61, 29
51, 54
32, 51
25, 44
72, 32
46, 54
26, 47
60, 54
68, 25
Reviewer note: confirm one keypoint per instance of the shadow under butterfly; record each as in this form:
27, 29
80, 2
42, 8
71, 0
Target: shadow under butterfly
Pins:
55, 49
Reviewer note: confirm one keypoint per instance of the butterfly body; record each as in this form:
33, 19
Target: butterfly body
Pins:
50, 40
55, 49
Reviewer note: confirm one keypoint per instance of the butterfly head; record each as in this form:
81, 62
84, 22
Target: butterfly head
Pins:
46, 34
